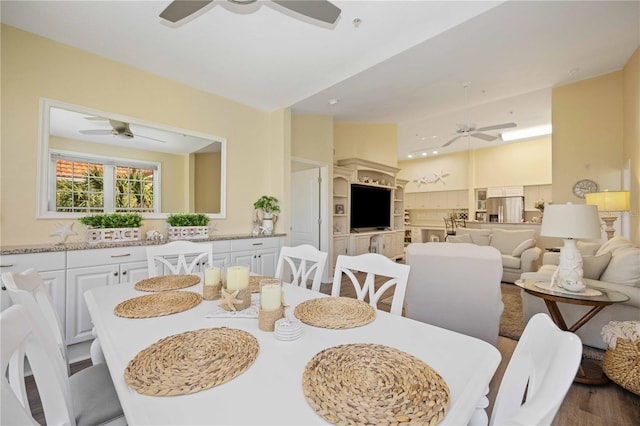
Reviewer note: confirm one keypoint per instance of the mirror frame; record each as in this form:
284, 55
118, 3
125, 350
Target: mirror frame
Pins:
43, 173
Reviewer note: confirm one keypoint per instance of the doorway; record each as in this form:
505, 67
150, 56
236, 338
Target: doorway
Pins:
309, 201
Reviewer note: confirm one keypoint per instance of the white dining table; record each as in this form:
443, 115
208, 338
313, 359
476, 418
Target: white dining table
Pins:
270, 391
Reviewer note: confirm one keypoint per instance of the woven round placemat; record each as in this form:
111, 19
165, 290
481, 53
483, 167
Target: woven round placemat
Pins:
254, 282
167, 282
335, 312
374, 384
192, 361
157, 304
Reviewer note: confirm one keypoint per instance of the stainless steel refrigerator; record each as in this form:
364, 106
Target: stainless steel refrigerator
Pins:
505, 209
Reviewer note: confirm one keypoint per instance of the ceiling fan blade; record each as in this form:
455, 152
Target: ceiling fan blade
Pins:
96, 132
180, 9
485, 137
322, 10
452, 141
496, 127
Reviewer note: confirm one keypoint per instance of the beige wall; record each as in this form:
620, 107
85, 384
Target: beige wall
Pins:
631, 137
587, 122
34, 67
373, 142
524, 163
207, 182
312, 138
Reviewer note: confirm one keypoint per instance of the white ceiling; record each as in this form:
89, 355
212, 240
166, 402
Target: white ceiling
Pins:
405, 63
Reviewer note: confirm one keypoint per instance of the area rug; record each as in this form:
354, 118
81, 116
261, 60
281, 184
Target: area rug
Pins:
511, 323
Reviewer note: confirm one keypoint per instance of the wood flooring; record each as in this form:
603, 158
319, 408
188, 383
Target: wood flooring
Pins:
583, 406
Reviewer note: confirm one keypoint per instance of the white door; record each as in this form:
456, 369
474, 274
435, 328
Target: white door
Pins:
305, 198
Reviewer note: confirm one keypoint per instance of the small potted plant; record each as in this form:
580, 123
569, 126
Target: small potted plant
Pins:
188, 226
270, 209
112, 227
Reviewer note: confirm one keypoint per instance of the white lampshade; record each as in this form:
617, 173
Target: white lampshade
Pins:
609, 201
571, 221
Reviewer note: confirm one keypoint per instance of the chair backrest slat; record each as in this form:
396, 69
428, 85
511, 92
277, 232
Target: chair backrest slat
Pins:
304, 263
374, 266
160, 255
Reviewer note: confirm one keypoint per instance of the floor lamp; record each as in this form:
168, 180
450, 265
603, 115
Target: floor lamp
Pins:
609, 201
570, 222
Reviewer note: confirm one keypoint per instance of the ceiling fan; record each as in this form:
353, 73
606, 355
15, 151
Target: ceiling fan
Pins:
469, 129
118, 128
322, 10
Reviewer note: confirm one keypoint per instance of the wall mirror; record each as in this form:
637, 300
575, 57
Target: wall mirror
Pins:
93, 161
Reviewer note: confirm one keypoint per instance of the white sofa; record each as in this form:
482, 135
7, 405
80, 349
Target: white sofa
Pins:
517, 248
456, 287
614, 265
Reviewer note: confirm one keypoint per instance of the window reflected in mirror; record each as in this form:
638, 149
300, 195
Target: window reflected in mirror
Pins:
97, 162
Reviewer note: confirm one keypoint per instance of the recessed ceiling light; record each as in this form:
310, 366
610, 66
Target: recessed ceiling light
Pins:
333, 101
424, 154
423, 138
434, 136
357, 22
410, 156
434, 152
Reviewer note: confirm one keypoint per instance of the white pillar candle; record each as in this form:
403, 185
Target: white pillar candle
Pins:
270, 295
212, 275
237, 277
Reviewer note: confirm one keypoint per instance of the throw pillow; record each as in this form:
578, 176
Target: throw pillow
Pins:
463, 238
587, 248
593, 266
526, 244
614, 244
624, 267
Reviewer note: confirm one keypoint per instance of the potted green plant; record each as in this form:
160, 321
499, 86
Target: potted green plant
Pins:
112, 227
270, 209
188, 226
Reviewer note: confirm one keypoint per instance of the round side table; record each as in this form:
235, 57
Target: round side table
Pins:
589, 373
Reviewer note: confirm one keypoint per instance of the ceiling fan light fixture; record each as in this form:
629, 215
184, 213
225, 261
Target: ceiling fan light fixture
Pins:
529, 132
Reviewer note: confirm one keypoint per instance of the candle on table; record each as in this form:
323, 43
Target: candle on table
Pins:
270, 294
237, 277
212, 275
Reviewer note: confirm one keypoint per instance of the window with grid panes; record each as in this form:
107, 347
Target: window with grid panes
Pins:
89, 184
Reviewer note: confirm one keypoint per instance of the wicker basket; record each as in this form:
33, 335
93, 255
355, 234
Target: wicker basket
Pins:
622, 364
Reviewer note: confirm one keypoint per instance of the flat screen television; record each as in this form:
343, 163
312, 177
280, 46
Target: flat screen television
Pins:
370, 207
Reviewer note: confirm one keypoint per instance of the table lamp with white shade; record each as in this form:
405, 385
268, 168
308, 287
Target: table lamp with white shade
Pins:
609, 201
570, 222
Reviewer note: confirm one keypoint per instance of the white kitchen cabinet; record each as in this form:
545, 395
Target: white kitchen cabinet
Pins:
87, 269
51, 268
397, 244
388, 249
410, 200
436, 200
534, 193
422, 200
457, 199
259, 254
505, 191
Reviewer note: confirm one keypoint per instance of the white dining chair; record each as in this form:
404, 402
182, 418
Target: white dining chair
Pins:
538, 376
173, 257
301, 264
28, 289
372, 265
86, 398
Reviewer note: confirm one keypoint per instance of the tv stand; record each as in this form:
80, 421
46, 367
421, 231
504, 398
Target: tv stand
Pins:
387, 240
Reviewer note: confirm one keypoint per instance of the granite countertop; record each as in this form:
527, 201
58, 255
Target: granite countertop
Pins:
46, 248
